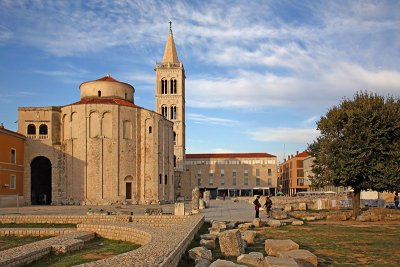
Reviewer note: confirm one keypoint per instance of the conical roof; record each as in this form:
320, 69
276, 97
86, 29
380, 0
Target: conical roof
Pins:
170, 55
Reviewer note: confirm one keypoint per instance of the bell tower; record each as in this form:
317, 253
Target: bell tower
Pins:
170, 97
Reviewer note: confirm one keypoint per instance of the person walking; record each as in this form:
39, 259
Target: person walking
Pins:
396, 200
223, 196
257, 206
268, 205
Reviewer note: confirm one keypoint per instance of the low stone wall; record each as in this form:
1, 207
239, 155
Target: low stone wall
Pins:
162, 246
30, 252
164, 239
63, 219
35, 231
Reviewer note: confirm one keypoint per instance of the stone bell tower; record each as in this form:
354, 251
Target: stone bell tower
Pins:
170, 97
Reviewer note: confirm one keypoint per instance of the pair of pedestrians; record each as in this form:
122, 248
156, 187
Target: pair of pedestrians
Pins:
257, 205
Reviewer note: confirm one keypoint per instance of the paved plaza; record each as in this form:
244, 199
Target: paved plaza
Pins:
221, 210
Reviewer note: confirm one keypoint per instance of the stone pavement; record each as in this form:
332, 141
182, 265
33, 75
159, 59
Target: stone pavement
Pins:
221, 210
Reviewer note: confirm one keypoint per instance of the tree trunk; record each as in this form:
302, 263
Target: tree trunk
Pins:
356, 203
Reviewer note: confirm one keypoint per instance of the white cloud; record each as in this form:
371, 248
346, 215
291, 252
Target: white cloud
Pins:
284, 135
199, 118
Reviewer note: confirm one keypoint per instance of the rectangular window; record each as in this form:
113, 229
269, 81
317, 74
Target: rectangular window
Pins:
12, 181
257, 172
222, 181
199, 182
211, 173
269, 172
222, 173
211, 181
300, 182
246, 172
300, 173
12, 156
198, 172
299, 164
234, 172
234, 181
269, 181
257, 181
246, 181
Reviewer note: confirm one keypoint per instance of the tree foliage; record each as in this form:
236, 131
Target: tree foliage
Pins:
359, 144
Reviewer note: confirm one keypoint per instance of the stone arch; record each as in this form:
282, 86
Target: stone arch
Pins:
41, 179
94, 124
74, 125
106, 125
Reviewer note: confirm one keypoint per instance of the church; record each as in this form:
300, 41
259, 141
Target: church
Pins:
104, 149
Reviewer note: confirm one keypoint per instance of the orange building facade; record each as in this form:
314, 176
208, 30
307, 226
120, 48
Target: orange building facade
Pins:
291, 174
11, 162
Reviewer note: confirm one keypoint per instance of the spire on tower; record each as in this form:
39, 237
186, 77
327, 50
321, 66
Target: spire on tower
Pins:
170, 55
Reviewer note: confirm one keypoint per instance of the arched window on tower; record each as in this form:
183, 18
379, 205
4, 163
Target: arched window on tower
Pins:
164, 86
174, 138
173, 113
164, 111
173, 86
43, 131
31, 129
174, 161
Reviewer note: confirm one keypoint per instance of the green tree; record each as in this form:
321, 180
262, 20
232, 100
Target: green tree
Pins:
359, 145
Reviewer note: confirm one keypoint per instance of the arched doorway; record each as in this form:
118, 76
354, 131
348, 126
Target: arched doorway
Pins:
41, 181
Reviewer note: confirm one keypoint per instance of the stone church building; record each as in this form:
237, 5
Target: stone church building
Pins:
104, 149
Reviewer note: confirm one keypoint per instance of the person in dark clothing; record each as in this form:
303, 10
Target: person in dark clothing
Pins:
396, 200
257, 206
268, 205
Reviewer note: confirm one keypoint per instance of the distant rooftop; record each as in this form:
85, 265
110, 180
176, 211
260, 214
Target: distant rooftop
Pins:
231, 155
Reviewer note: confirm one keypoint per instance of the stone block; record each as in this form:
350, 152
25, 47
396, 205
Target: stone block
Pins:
257, 222
288, 208
224, 263
245, 226
249, 236
336, 217
66, 246
200, 252
209, 244
231, 225
230, 242
154, 211
273, 246
274, 223
219, 225
303, 206
297, 222
279, 215
302, 256
208, 237
253, 259
279, 262
202, 205
309, 218
200, 262
179, 209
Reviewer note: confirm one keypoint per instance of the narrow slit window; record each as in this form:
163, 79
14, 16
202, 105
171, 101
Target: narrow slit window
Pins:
99, 93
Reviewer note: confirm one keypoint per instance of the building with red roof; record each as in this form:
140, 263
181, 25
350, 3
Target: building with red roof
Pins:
291, 174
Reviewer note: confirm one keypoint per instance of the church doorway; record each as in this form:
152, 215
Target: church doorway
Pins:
41, 181
128, 190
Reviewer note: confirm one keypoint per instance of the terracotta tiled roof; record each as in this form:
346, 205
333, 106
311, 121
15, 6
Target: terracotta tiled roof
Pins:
231, 155
106, 101
303, 154
11, 132
107, 78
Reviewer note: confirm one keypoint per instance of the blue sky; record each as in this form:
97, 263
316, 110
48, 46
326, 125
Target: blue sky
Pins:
259, 74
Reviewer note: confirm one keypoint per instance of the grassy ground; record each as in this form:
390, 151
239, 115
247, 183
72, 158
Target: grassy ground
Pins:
7, 242
335, 244
96, 249
36, 225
